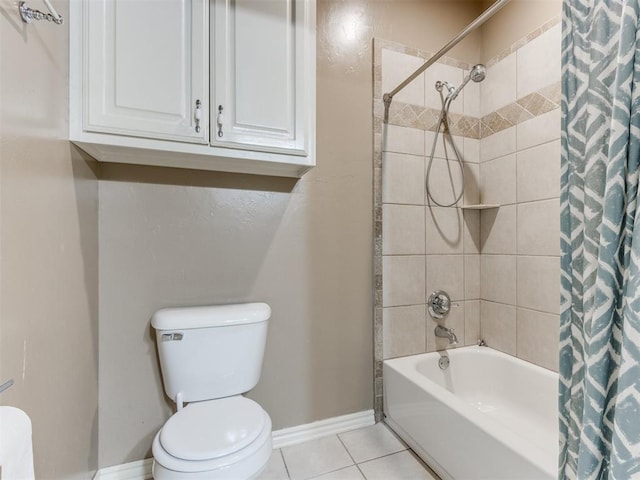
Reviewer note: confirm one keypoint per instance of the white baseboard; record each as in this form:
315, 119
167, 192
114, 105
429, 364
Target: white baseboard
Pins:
141, 470
322, 428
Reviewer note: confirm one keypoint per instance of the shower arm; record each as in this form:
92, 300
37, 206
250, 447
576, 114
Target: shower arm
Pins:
484, 16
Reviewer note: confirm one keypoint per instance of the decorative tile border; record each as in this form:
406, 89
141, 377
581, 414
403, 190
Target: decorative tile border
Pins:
380, 43
378, 132
524, 40
525, 108
425, 118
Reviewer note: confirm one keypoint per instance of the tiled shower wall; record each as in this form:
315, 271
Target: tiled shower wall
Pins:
520, 170
499, 265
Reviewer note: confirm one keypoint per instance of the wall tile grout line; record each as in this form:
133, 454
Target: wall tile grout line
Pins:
516, 151
515, 320
516, 254
518, 306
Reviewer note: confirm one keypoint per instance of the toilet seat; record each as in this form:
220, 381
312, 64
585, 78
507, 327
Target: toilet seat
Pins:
214, 435
213, 428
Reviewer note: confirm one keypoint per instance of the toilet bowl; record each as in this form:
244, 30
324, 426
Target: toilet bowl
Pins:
208, 357
224, 439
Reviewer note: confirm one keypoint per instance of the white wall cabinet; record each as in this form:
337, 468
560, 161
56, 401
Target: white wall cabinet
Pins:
146, 68
256, 69
207, 84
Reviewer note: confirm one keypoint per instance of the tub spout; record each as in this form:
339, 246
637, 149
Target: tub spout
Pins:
445, 332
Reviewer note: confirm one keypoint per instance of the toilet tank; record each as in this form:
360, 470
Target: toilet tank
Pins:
211, 351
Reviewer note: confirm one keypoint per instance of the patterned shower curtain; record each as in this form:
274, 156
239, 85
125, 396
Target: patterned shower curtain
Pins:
600, 286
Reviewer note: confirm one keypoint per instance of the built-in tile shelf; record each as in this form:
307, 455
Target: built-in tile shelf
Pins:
480, 206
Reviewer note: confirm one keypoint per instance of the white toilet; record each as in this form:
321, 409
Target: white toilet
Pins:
209, 356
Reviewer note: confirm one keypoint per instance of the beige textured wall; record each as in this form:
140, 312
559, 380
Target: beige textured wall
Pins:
513, 22
171, 237
49, 251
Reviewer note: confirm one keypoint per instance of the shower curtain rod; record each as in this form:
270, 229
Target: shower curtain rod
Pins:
484, 16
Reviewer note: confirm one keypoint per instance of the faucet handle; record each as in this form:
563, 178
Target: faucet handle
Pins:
439, 304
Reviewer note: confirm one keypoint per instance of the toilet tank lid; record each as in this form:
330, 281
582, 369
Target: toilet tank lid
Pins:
210, 316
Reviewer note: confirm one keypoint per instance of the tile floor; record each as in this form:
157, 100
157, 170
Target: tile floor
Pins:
371, 453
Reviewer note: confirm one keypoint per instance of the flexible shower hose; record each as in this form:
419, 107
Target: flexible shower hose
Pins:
443, 122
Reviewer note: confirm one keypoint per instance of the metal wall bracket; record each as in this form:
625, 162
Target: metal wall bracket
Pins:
6, 385
29, 14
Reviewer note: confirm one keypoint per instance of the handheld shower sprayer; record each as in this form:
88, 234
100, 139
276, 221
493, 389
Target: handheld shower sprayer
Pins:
477, 74
450, 88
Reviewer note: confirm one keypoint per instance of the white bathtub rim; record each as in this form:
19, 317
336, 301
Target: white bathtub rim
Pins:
545, 459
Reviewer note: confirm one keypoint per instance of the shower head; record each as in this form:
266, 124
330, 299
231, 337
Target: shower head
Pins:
477, 74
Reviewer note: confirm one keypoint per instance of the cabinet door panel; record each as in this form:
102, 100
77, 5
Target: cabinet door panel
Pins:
264, 80
147, 67
259, 76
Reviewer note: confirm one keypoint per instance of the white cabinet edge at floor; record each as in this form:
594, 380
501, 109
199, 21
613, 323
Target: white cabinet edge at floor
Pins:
141, 470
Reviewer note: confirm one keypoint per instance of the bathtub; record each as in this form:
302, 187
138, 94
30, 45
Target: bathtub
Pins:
487, 416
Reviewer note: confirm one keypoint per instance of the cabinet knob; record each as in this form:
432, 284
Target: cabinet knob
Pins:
198, 114
220, 120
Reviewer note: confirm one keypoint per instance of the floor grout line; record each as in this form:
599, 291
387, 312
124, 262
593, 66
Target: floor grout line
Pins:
372, 434
286, 468
330, 471
347, 448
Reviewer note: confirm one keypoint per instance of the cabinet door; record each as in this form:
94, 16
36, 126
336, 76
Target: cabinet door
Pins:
261, 95
146, 68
